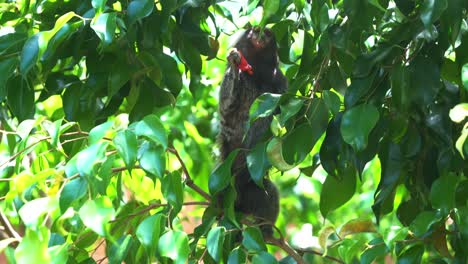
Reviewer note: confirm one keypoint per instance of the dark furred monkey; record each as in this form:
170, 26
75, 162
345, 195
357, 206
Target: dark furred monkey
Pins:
252, 70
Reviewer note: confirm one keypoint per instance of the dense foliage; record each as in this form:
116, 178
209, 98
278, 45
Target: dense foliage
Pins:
108, 114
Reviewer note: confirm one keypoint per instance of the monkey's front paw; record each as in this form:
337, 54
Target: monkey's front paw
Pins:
234, 57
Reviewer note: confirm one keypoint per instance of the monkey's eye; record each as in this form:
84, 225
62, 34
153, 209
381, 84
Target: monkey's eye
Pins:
267, 33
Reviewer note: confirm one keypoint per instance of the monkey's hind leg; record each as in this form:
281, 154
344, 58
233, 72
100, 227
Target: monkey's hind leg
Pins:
261, 203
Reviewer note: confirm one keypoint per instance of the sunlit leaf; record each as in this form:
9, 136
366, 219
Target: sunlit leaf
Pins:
357, 123
33, 247
138, 9
253, 240
215, 240
97, 213
174, 245
126, 145
152, 128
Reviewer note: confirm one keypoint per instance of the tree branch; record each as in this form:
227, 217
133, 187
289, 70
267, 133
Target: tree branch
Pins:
188, 179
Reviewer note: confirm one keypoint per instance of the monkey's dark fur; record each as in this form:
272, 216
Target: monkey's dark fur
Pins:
238, 91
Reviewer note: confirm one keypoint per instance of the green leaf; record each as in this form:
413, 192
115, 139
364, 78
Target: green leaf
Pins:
119, 250
174, 245
31, 213
149, 231
464, 76
431, 10
307, 55
459, 112
443, 192
7, 68
97, 213
275, 155
73, 191
263, 257
237, 256
257, 163
20, 98
421, 226
104, 25
138, 9
357, 123
375, 251
99, 132
119, 75
264, 106
332, 101
400, 87
89, 158
126, 145
152, 128
172, 78
270, 7
221, 175
358, 88
215, 241
290, 108
299, 143
59, 254
252, 240
413, 254
99, 5
29, 54
173, 190
152, 159
33, 247
336, 192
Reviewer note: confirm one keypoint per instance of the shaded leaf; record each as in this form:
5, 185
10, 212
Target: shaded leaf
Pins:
257, 163
252, 240
138, 9
337, 191
214, 241
357, 123
221, 175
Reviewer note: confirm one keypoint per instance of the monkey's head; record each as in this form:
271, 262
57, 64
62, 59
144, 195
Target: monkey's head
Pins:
257, 44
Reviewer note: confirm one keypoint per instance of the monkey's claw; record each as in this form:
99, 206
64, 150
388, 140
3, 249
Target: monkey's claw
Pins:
234, 57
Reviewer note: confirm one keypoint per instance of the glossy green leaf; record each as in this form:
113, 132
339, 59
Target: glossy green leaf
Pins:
257, 163
20, 98
7, 67
152, 128
214, 241
221, 175
126, 145
270, 7
357, 123
31, 213
99, 5
119, 250
263, 106
358, 89
172, 78
173, 190
152, 159
174, 245
29, 54
275, 155
300, 141
413, 254
375, 251
336, 192
443, 192
431, 11
237, 256
290, 108
138, 9
59, 254
149, 231
104, 25
332, 101
89, 158
252, 240
263, 257
464, 76
423, 223
73, 191
97, 213
33, 247
99, 132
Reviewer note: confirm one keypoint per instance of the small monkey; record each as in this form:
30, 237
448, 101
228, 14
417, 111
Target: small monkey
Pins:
252, 70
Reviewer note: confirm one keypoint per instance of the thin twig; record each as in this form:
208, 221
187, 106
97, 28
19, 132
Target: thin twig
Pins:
154, 206
8, 227
287, 248
188, 179
310, 251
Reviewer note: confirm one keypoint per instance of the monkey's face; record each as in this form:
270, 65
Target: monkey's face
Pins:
260, 40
